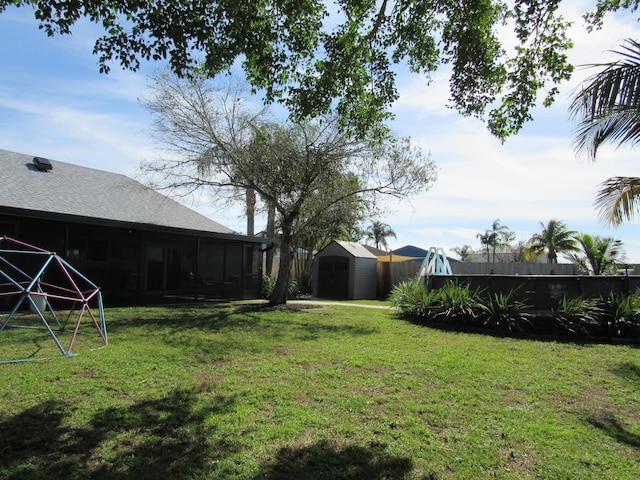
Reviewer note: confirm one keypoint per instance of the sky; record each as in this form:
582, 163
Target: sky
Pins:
54, 103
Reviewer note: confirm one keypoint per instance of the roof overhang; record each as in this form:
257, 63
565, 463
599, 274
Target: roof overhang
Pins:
150, 227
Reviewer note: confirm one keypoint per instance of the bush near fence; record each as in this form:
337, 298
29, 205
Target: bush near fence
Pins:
600, 308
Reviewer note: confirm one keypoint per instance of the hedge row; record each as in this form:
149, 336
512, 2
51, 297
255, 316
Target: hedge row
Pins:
614, 317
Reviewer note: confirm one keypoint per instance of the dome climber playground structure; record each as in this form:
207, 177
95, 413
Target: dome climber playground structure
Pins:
40, 290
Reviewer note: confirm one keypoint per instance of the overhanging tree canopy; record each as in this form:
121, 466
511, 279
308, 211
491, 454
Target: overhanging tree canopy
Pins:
315, 56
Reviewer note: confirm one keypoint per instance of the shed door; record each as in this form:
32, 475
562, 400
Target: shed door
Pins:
333, 277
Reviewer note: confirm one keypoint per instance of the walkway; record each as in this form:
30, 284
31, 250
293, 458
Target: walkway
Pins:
340, 303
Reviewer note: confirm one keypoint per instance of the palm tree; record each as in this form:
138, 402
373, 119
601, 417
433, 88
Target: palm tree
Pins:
608, 107
379, 232
498, 236
485, 241
463, 252
599, 256
555, 238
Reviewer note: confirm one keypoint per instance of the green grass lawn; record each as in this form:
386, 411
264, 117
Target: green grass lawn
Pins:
213, 392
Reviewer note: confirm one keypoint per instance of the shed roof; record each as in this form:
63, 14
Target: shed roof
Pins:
355, 249
74, 191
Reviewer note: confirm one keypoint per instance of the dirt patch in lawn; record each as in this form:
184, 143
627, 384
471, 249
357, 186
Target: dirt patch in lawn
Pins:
287, 307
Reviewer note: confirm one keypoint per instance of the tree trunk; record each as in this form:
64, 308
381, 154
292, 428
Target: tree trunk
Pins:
271, 233
250, 200
279, 294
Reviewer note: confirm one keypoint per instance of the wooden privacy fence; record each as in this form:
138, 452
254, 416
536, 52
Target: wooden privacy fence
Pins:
391, 274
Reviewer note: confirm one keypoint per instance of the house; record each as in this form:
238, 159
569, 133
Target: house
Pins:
139, 246
345, 270
378, 252
416, 253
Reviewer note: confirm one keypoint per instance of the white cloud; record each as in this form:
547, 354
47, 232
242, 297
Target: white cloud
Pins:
417, 93
534, 177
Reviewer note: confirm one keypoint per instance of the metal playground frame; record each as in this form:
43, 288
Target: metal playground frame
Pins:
435, 263
23, 268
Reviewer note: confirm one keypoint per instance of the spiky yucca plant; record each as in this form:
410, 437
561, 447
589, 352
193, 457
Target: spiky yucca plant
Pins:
413, 299
621, 313
269, 283
577, 316
502, 311
457, 305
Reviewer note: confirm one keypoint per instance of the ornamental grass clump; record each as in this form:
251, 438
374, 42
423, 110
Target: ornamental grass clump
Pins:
577, 316
458, 305
621, 314
269, 283
413, 299
502, 311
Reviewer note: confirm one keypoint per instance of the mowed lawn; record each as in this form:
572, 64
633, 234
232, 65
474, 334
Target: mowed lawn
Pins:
221, 392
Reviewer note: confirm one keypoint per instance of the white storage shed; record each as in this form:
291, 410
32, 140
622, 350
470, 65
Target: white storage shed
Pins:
345, 271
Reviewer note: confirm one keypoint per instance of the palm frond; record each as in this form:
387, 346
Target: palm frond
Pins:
608, 104
619, 127
618, 199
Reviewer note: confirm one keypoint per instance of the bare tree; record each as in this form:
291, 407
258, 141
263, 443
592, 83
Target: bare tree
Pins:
301, 170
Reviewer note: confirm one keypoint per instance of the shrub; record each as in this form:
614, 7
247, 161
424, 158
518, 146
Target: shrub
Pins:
617, 315
269, 283
502, 311
457, 305
621, 314
577, 316
413, 299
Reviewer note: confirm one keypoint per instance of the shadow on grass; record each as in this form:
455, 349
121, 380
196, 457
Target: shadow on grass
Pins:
217, 317
162, 438
176, 317
629, 372
610, 425
324, 460
608, 422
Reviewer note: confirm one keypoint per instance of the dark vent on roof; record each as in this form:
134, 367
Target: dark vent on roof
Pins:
42, 164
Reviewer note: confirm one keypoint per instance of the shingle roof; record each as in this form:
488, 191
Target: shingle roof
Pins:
411, 251
72, 190
376, 251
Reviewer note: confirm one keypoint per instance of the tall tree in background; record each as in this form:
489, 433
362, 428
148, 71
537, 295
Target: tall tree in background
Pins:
216, 140
463, 252
598, 255
378, 232
501, 236
554, 238
486, 241
498, 236
313, 55
519, 252
608, 109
